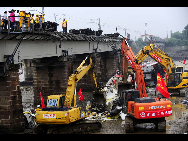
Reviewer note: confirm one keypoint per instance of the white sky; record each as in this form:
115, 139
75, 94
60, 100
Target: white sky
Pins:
158, 19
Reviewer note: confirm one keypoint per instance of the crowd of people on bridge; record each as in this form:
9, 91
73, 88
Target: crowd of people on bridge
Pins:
19, 18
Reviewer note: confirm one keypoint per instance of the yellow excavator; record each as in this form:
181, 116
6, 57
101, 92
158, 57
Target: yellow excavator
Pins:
176, 77
61, 115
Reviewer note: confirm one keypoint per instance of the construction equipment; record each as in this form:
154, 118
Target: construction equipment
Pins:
135, 103
176, 78
61, 110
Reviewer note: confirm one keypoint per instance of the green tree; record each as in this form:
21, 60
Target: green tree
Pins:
178, 38
140, 43
171, 42
177, 35
185, 33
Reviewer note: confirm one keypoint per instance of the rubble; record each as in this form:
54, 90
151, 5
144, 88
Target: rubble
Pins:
111, 91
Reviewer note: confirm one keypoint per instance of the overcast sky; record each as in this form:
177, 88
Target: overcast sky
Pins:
158, 19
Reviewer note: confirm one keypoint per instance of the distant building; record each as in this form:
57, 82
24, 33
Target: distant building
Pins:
146, 37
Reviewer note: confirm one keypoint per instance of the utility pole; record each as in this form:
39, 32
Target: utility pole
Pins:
125, 31
145, 30
42, 9
170, 33
99, 25
145, 27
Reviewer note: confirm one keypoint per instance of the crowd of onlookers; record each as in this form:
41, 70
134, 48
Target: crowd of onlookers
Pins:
20, 19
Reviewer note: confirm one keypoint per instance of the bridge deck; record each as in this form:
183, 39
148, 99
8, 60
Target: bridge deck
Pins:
46, 35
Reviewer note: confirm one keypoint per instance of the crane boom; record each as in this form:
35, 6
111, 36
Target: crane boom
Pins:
139, 76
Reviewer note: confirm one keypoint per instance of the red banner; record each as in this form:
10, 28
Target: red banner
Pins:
161, 87
80, 95
184, 60
155, 114
42, 101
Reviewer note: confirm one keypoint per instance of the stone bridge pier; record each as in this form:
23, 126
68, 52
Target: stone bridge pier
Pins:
51, 74
11, 109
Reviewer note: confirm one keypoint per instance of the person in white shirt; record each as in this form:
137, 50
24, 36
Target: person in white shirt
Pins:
5, 20
17, 20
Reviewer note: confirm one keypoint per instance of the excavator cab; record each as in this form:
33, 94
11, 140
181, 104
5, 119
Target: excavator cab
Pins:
126, 96
177, 80
55, 103
174, 79
133, 95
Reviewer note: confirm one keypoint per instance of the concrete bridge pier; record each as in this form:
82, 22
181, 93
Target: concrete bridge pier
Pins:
11, 109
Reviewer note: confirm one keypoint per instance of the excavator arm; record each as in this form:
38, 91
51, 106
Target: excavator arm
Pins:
74, 78
159, 56
139, 76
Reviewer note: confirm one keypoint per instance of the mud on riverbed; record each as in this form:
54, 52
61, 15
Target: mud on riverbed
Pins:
177, 123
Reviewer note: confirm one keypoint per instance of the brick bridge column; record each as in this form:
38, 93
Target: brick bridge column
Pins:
50, 76
11, 109
106, 65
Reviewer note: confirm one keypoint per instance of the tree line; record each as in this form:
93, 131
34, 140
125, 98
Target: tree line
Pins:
178, 38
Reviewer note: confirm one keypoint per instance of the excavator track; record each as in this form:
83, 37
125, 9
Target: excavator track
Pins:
161, 125
129, 124
79, 127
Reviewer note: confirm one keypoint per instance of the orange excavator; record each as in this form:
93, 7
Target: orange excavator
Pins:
135, 103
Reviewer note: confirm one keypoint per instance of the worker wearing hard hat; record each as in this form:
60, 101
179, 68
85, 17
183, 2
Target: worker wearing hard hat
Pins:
66, 27
21, 19
31, 18
37, 21
42, 21
28, 18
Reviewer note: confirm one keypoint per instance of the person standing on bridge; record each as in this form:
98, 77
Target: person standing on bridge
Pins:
12, 19
5, 20
64, 26
2, 23
21, 19
43, 27
17, 20
32, 21
37, 21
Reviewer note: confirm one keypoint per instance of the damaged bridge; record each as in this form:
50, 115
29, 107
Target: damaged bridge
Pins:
48, 58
